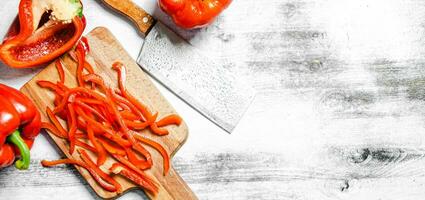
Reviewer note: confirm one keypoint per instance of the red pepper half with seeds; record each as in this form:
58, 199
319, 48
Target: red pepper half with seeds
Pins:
20, 123
43, 31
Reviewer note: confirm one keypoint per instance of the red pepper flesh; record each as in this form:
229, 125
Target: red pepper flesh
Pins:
16, 113
193, 13
27, 45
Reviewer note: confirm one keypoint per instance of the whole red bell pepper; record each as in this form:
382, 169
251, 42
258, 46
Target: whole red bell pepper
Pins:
20, 123
193, 13
44, 30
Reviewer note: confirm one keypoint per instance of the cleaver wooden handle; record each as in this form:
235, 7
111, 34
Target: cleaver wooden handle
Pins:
128, 8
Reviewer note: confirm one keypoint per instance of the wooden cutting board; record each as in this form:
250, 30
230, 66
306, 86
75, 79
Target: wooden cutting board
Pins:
105, 50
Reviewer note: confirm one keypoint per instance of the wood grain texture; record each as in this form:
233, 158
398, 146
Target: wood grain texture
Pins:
143, 21
105, 50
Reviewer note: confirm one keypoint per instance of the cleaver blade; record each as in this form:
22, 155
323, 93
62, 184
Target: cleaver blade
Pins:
207, 86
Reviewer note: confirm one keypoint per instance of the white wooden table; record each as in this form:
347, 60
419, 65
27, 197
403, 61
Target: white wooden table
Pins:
339, 114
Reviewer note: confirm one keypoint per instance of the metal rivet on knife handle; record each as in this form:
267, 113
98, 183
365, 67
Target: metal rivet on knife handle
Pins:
128, 8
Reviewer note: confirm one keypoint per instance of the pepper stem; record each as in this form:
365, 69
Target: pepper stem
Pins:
16, 139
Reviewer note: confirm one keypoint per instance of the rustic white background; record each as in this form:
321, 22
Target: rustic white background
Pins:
339, 114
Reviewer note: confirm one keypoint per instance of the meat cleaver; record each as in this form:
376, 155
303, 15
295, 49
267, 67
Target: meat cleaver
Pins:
206, 86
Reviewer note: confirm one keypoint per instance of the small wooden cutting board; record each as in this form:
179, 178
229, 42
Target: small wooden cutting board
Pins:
104, 51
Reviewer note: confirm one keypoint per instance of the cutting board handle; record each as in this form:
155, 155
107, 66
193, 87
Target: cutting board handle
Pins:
128, 8
179, 189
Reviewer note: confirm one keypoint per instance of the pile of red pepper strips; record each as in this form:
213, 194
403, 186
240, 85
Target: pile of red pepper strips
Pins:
109, 120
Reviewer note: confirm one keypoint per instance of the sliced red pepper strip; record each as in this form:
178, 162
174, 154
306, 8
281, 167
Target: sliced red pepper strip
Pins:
97, 127
80, 135
124, 160
111, 148
72, 91
139, 148
128, 115
67, 120
85, 145
51, 86
102, 174
86, 45
92, 110
141, 125
142, 108
122, 75
63, 103
89, 101
170, 119
72, 129
119, 67
55, 122
118, 168
154, 128
82, 124
135, 125
88, 67
62, 86
85, 42
81, 54
107, 132
101, 153
139, 172
52, 163
98, 80
111, 104
59, 67
52, 129
132, 107
141, 164
101, 129
103, 183
157, 147
122, 106
104, 110
57, 100
159, 131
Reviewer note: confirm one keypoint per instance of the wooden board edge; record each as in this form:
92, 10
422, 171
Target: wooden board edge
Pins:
184, 129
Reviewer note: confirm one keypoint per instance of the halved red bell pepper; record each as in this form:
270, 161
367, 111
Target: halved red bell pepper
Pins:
193, 13
44, 30
20, 123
